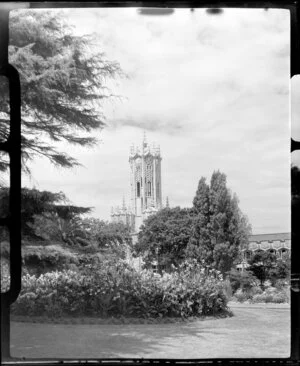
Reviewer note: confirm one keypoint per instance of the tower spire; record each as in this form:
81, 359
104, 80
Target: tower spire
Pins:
144, 139
167, 202
123, 204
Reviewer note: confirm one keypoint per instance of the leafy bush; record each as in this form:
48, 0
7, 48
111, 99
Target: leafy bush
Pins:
4, 249
241, 295
281, 284
241, 280
270, 295
228, 288
41, 259
5, 275
118, 290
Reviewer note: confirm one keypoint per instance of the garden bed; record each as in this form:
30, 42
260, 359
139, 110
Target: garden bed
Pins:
115, 320
270, 295
118, 291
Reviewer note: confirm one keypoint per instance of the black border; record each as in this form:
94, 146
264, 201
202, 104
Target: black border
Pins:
13, 147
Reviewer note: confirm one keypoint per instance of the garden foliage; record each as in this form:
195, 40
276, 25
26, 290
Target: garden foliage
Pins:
164, 237
270, 295
118, 290
214, 230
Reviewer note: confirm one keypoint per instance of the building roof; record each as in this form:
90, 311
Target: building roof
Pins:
269, 237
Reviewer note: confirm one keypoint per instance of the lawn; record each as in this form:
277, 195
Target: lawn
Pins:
253, 331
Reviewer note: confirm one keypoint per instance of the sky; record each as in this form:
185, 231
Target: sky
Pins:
212, 91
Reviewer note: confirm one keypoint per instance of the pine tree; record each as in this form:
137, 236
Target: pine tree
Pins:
63, 86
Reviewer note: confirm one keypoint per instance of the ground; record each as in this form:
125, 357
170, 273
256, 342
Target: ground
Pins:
253, 331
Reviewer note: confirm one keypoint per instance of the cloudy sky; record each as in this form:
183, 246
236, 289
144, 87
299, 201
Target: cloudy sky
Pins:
212, 91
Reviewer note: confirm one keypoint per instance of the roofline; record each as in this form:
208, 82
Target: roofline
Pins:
271, 234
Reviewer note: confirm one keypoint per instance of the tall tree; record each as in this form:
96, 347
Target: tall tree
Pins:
220, 228
199, 245
63, 86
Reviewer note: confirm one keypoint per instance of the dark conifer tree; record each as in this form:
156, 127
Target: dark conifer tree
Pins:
63, 86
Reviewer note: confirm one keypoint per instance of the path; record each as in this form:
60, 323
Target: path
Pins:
252, 332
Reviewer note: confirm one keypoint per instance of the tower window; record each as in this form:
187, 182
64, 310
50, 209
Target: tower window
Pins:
138, 189
149, 188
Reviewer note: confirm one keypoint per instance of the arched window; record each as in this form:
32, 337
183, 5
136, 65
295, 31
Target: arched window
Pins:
138, 189
248, 255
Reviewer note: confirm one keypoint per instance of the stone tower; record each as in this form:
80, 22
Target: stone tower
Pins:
145, 181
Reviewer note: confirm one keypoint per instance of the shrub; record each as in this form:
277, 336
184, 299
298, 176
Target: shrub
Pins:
5, 275
4, 249
241, 280
270, 295
228, 288
118, 290
241, 296
281, 284
41, 259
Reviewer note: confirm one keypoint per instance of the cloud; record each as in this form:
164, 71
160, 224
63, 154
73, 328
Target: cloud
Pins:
150, 123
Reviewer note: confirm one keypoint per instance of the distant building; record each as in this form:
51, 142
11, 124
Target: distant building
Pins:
278, 244
145, 187
124, 215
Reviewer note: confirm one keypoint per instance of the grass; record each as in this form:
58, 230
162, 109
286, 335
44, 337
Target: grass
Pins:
251, 332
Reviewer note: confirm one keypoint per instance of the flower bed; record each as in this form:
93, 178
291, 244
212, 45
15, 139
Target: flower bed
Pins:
269, 295
118, 290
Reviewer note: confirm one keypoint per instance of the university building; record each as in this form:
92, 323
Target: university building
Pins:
278, 244
145, 187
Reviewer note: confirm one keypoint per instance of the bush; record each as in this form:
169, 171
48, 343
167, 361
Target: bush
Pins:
118, 290
41, 259
270, 295
241, 280
241, 296
281, 284
5, 275
228, 288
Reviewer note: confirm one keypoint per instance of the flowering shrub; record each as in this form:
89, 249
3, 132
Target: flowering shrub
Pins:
118, 290
273, 295
270, 295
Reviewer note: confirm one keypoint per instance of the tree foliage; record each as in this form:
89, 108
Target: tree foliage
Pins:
63, 86
266, 266
110, 238
164, 237
213, 231
220, 228
200, 245
45, 215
